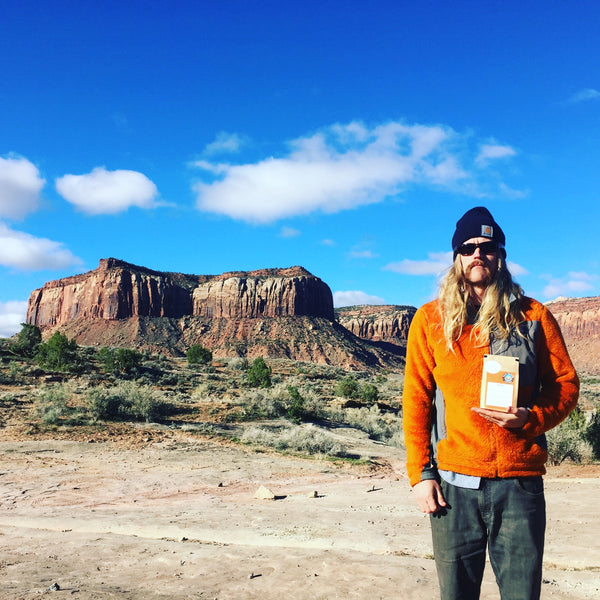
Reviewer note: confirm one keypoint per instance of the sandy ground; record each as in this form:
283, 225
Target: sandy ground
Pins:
177, 518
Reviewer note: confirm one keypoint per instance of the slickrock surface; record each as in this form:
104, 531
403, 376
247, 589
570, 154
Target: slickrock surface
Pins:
176, 518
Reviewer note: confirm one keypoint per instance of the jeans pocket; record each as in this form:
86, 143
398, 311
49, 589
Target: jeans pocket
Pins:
533, 486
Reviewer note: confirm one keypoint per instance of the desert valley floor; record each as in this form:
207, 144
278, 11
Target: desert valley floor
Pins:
162, 515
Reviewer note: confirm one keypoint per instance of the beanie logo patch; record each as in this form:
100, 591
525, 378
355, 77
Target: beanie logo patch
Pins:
487, 231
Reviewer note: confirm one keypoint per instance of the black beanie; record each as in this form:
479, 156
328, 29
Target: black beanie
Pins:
477, 222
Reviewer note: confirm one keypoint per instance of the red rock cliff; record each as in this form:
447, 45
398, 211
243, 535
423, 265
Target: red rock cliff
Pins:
119, 290
579, 320
378, 323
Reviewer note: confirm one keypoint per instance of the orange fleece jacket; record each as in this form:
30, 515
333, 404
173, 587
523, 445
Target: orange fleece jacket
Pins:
470, 444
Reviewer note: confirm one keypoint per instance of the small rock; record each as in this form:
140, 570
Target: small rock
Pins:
54, 587
263, 493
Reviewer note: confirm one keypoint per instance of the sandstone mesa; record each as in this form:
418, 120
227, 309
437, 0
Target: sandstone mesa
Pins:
285, 313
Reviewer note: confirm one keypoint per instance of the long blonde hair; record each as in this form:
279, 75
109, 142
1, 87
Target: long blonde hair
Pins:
500, 310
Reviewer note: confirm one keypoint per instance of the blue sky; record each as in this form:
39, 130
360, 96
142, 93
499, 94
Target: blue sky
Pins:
346, 137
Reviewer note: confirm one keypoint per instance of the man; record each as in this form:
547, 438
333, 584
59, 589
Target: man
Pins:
477, 471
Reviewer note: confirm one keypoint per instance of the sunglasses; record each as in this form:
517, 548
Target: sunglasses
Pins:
485, 247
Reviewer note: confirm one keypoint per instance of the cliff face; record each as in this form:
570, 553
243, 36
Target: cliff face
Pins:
579, 320
115, 290
250, 297
578, 317
118, 290
285, 313
378, 323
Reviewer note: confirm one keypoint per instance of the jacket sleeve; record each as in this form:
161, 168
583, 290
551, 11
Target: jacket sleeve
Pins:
417, 400
558, 381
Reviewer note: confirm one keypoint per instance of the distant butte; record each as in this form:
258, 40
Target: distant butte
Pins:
284, 313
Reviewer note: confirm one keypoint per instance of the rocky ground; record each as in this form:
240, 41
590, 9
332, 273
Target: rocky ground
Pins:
156, 513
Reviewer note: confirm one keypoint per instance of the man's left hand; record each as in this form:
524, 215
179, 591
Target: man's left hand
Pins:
514, 418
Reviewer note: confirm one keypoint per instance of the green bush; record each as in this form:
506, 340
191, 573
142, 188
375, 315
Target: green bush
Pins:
127, 360
259, 374
295, 411
369, 393
347, 387
58, 353
28, 340
124, 361
198, 354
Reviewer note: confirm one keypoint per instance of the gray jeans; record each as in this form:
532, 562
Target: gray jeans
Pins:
508, 516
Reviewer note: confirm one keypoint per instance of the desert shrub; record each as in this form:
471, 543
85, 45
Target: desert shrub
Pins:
50, 405
281, 401
28, 340
308, 439
311, 440
58, 353
568, 440
13, 372
198, 355
238, 364
314, 407
262, 405
347, 387
259, 374
592, 433
379, 426
369, 393
127, 401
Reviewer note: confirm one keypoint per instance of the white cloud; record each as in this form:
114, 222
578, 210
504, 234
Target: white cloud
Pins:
512, 193
288, 232
24, 251
575, 283
516, 269
224, 143
489, 152
436, 264
328, 242
354, 298
340, 168
584, 95
362, 254
107, 192
20, 187
12, 314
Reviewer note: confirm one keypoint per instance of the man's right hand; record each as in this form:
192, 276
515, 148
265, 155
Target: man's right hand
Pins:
429, 496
